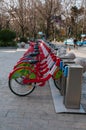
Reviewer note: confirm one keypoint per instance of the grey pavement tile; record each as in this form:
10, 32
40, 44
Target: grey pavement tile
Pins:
79, 125
64, 124
11, 121
20, 123
69, 129
3, 113
15, 114
32, 115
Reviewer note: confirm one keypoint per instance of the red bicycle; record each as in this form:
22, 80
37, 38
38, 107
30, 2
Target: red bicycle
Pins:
24, 79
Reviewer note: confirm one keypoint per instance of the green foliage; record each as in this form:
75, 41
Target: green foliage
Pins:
23, 39
7, 35
6, 44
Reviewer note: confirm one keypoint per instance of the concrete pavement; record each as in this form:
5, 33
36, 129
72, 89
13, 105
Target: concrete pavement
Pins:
35, 111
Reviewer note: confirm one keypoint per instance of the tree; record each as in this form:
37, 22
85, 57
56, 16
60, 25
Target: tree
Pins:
48, 9
75, 20
28, 17
23, 17
18, 15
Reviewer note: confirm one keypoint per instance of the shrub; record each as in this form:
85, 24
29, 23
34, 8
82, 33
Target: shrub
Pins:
5, 44
7, 35
23, 39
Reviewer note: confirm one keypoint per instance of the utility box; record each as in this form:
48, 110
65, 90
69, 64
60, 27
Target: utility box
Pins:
72, 94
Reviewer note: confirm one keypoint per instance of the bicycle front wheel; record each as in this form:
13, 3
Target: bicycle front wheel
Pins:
20, 89
16, 84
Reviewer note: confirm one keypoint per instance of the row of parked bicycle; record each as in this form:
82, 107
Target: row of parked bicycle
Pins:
38, 64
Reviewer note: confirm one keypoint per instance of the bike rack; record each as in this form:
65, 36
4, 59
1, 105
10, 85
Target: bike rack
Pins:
72, 96
70, 83
62, 80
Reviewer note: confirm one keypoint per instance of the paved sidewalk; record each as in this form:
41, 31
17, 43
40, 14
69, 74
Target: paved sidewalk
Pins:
35, 111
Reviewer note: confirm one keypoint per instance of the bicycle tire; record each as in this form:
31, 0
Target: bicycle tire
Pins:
16, 85
57, 85
16, 92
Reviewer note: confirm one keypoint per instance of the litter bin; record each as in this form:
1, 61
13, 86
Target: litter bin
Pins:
72, 94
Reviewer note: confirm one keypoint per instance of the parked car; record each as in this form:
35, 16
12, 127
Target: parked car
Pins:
83, 39
84, 42
71, 42
79, 43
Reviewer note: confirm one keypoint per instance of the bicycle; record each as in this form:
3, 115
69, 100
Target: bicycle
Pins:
23, 80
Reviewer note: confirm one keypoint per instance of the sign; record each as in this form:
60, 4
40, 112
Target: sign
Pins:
83, 35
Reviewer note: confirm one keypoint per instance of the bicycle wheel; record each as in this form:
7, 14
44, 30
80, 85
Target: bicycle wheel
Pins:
16, 84
57, 77
21, 89
56, 82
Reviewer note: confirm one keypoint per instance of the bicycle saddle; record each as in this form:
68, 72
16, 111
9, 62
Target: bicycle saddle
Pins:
33, 61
